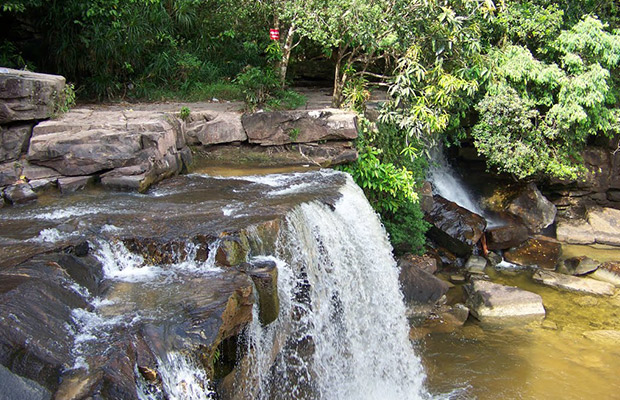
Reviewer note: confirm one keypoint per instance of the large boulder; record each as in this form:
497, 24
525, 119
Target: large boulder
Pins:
208, 127
506, 236
575, 231
14, 141
490, 301
26, 96
20, 193
533, 208
540, 250
574, 284
299, 126
454, 227
605, 223
420, 287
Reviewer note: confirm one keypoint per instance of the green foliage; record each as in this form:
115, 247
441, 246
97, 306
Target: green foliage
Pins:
407, 229
293, 134
537, 116
257, 85
356, 94
65, 99
185, 113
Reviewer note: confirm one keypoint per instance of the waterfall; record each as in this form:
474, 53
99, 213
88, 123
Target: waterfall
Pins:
448, 185
342, 331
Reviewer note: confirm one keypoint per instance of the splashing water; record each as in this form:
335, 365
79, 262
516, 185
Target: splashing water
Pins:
342, 326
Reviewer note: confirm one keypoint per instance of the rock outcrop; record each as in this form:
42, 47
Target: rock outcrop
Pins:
601, 225
574, 284
492, 302
533, 209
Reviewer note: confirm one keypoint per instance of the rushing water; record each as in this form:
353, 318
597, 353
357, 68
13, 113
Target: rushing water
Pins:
342, 327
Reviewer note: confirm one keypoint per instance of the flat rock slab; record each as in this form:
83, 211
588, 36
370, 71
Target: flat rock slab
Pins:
574, 284
26, 96
540, 250
605, 223
575, 232
608, 272
488, 300
299, 126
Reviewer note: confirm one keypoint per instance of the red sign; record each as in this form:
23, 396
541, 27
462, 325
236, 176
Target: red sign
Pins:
274, 34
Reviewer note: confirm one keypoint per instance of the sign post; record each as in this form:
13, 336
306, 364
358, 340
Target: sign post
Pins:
274, 34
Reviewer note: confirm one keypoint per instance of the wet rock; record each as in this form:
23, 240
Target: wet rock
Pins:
35, 172
329, 154
608, 272
454, 227
476, 265
505, 237
281, 127
42, 185
605, 223
9, 173
575, 231
549, 325
540, 250
533, 208
26, 96
265, 277
74, 183
578, 265
457, 279
233, 250
35, 314
426, 197
608, 336
420, 287
574, 284
494, 258
489, 301
14, 141
21, 193
15, 387
425, 262
208, 127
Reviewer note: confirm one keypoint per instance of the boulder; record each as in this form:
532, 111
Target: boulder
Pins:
489, 301
420, 287
425, 262
476, 264
74, 183
9, 173
329, 154
507, 236
578, 265
575, 231
20, 193
533, 208
14, 141
20, 388
605, 223
299, 126
574, 284
494, 258
608, 272
454, 227
208, 127
540, 250
26, 96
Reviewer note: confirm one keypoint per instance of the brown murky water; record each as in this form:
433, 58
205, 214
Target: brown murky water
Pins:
555, 360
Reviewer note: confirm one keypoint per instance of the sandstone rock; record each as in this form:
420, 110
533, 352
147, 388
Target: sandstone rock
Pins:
34, 172
426, 197
505, 237
540, 250
20, 388
425, 262
476, 264
608, 272
420, 287
608, 336
494, 258
74, 183
597, 162
264, 274
488, 300
207, 127
9, 173
41, 185
578, 265
329, 154
571, 283
20, 193
26, 96
533, 208
613, 195
14, 141
605, 224
454, 227
575, 231
297, 126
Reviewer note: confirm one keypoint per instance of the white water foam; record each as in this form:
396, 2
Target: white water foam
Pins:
342, 324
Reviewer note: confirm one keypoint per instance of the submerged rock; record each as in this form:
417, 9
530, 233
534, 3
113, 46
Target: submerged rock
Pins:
454, 227
542, 251
533, 208
419, 286
476, 265
505, 237
608, 272
20, 193
578, 265
489, 301
574, 284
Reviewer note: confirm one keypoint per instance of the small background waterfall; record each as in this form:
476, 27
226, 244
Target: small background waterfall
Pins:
342, 330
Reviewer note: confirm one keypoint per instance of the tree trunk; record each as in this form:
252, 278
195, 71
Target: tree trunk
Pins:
286, 53
338, 80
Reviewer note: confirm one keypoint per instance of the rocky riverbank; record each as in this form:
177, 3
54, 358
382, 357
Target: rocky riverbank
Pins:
130, 149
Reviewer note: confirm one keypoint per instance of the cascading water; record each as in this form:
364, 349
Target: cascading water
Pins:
342, 327
448, 185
